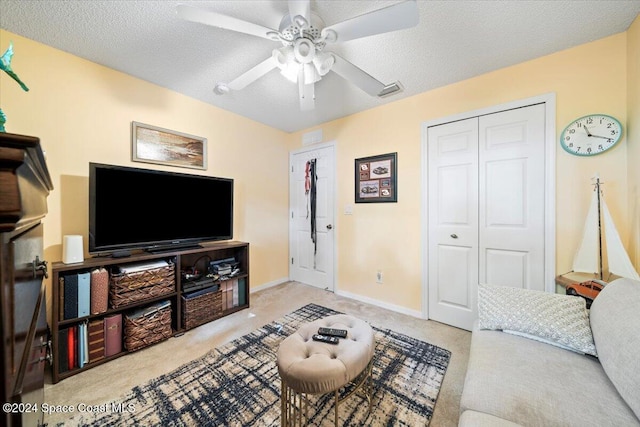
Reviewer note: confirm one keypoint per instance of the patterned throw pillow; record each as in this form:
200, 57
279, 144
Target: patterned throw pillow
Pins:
560, 320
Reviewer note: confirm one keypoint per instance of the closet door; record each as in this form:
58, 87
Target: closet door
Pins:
453, 222
485, 209
511, 209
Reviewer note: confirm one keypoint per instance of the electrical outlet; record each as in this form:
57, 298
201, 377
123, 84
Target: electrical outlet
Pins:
379, 277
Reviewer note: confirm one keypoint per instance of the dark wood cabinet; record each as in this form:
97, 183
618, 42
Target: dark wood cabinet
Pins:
24, 186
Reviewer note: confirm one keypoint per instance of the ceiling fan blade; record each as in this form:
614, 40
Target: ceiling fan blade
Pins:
357, 76
391, 18
306, 92
300, 8
253, 74
218, 20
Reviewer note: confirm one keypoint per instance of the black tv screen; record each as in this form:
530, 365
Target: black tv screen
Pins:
131, 208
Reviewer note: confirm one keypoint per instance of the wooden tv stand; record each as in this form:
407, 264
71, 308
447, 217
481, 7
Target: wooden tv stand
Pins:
186, 259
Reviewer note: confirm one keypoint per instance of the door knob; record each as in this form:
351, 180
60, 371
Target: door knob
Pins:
454, 236
329, 226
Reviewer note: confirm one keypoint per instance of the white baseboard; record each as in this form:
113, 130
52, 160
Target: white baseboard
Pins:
361, 298
268, 284
381, 304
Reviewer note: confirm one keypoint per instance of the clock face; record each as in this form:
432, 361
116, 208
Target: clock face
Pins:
591, 135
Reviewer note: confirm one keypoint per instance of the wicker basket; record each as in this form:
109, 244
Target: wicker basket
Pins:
201, 309
133, 287
148, 329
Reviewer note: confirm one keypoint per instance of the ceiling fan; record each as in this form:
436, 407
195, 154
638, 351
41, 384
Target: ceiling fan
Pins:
304, 36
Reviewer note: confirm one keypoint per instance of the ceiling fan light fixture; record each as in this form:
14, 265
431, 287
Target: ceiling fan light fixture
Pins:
323, 62
285, 60
283, 56
304, 36
304, 50
391, 89
290, 72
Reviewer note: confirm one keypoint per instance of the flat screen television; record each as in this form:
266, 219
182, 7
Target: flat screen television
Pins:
131, 208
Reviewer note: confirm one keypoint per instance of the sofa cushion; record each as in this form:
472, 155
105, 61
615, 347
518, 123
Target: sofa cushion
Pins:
615, 320
479, 419
560, 320
536, 384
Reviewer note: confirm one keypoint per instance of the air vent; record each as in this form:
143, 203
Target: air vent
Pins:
391, 89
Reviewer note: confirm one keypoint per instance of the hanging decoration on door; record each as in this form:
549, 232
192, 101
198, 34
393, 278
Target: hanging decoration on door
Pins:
310, 182
376, 179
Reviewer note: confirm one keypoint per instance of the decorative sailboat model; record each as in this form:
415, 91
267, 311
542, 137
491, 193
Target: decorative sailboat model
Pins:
591, 256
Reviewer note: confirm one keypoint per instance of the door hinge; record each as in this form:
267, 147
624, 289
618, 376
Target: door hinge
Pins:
292, 261
291, 168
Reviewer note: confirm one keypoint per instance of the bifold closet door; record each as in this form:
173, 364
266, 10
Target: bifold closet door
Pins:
511, 209
453, 222
485, 209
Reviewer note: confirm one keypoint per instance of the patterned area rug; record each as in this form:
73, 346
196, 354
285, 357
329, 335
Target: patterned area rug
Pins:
238, 385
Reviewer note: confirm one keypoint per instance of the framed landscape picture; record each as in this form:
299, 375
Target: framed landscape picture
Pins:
152, 144
376, 179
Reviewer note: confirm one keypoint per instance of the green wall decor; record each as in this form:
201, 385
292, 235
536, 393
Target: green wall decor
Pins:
5, 65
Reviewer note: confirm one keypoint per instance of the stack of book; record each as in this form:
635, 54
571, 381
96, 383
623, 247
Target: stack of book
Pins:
89, 342
83, 293
74, 352
233, 293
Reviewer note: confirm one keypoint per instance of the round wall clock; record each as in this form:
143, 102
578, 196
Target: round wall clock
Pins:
591, 135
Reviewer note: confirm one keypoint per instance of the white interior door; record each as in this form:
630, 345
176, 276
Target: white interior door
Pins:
512, 198
312, 263
486, 209
453, 222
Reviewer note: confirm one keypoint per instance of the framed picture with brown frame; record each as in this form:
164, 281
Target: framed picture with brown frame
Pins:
376, 179
152, 144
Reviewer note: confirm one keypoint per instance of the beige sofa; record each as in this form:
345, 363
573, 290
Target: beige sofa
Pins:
514, 380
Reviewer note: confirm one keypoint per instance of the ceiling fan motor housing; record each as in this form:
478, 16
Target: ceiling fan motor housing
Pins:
291, 30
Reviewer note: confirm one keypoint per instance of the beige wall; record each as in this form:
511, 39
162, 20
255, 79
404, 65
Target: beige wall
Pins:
387, 236
633, 138
82, 112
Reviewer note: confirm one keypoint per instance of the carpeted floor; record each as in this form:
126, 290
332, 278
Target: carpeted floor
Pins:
238, 385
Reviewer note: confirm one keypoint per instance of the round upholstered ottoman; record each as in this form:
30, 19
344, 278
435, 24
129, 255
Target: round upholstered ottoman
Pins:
312, 367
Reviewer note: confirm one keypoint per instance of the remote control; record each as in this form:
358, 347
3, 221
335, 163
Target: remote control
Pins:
325, 338
340, 333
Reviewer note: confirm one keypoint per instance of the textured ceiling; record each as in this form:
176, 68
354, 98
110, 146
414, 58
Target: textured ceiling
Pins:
454, 40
